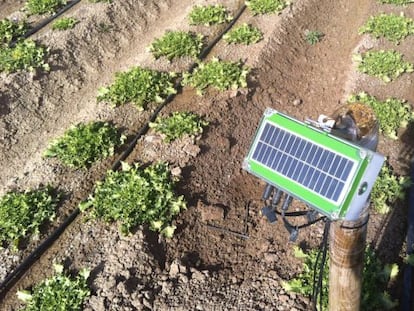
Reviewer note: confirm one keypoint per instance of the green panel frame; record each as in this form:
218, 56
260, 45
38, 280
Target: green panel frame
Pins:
329, 142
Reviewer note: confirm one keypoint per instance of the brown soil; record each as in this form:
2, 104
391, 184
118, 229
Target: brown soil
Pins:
205, 266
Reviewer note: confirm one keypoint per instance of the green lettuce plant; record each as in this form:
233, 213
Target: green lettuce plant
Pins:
222, 75
60, 292
25, 55
84, 144
244, 34
392, 114
266, 6
179, 124
44, 6
139, 86
176, 44
386, 65
392, 27
136, 196
209, 15
64, 23
23, 213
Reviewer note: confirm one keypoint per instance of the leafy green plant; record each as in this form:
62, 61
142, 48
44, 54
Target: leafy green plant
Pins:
392, 113
266, 6
44, 6
209, 15
398, 2
59, 292
390, 26
11, 30
136, 196
177, 44
22, 213
388, 189
313, 36
84, 144
386, 65
64, 23
244, 34
179, 124
139, 86
375, 277
303, 283
219, 74
25, 55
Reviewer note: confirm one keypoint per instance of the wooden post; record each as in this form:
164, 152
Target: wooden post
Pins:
346, 250
348, 238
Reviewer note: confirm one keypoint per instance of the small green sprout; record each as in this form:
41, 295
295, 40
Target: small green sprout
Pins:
64, 23
386, 65
176, 44
313, 36
221, 75
266, 6
179, 124
244, 34
392, 27
209, 15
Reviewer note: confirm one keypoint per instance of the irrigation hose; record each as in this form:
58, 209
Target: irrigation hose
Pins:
21, 269
42, 24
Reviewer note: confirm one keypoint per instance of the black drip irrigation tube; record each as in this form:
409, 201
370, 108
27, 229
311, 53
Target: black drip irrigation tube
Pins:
43, 23
407, 296
21, 269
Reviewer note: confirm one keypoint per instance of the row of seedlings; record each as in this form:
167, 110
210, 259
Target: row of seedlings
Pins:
24, 213
145, 195
392, 114
18, 53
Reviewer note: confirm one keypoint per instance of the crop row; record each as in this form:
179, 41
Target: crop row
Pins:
137, 194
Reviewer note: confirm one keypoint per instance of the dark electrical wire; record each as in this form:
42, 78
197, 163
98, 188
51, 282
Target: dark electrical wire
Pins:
317, 284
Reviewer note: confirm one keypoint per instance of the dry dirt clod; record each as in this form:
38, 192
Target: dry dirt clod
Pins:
297, 102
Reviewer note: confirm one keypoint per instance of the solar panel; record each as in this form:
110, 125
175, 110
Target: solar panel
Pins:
318, 168
323, 171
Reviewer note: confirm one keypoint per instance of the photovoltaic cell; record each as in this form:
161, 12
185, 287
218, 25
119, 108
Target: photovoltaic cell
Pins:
315, 168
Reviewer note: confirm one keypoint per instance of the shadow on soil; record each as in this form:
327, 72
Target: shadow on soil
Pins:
4, 104
155, 247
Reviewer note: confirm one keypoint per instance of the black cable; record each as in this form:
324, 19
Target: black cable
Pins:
317, 289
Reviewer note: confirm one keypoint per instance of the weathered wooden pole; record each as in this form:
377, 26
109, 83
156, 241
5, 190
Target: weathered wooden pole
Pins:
346, 250
348, 237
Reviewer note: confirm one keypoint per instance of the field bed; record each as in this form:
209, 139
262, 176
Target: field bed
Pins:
199, 268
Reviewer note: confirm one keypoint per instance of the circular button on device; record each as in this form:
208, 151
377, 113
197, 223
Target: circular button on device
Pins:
363, 188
